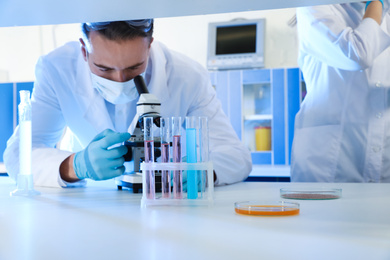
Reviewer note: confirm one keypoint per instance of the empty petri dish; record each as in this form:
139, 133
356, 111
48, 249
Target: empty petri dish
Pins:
256, 208
310, 194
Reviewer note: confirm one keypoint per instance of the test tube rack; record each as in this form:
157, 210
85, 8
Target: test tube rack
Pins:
205, 194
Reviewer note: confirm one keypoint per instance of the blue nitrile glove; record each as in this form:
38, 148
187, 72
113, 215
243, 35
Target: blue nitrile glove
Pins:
97, 162
200, 183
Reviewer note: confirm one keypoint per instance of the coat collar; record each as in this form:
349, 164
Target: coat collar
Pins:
158, 84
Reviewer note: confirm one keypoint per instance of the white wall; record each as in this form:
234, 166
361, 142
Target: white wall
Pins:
189, 35
20, 47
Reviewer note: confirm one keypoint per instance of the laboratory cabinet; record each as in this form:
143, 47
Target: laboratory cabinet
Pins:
261, 105
9, 100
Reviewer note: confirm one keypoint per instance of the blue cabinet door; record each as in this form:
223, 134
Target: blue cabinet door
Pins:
294, 81
279, 117
9, 99
6, 115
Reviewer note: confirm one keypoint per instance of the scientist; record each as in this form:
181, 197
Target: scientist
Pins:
92, 93
342, 131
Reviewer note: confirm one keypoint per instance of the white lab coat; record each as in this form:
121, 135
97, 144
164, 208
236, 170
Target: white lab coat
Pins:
342, 131
63, 96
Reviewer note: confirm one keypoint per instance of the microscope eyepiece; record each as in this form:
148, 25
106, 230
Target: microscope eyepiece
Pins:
140, 85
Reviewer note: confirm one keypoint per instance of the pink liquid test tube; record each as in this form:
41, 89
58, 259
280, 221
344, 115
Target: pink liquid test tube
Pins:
165, 133
176, 157
149, 157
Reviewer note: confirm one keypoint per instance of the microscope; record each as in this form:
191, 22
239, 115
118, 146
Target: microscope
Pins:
148, 105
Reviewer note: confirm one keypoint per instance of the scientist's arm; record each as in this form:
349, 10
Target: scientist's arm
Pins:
99, 160
66, 170
325, 33
374, 11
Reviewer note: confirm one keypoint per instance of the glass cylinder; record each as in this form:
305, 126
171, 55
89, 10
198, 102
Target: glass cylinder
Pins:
25, 182
25, 142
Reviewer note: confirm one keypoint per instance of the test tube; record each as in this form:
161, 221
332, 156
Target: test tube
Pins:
165, 133
192, 178
176, 157
203, 150
25, 183
203, 139
149, 157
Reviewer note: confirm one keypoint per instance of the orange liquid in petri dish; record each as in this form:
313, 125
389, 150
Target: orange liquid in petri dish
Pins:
268, 210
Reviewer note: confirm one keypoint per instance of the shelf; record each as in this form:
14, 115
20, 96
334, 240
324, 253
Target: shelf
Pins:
2, 168
270, 171
257, 117
262, 152
43, 12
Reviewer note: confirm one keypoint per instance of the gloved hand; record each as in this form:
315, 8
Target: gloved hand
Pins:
97, 162
200, 179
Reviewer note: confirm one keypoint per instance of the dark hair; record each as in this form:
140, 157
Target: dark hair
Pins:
120, 30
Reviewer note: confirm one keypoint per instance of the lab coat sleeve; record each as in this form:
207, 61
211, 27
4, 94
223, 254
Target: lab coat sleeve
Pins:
47, 128
324, 33
231, 159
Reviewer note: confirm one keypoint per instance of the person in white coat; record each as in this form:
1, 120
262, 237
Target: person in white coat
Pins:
91, 92
342, 131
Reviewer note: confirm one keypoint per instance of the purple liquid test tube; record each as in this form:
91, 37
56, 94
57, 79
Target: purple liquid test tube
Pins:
165, 133
149, 157
176, 157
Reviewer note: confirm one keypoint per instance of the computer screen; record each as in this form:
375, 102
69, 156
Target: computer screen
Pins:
236, 39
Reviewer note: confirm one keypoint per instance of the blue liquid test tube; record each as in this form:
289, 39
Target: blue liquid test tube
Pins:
176, 157
149, 157
192, 178
165, 133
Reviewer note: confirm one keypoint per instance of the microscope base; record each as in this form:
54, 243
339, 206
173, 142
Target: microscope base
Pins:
133, 181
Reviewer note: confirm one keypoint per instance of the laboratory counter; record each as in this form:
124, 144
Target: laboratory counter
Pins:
101, 222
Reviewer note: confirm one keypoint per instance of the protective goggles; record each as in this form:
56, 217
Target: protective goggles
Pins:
145, 25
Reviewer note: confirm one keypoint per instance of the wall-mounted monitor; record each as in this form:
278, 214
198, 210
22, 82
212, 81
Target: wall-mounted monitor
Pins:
236, 44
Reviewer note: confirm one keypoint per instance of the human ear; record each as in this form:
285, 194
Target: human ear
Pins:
83, 49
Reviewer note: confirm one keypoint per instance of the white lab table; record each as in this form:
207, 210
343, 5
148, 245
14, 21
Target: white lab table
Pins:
101, 222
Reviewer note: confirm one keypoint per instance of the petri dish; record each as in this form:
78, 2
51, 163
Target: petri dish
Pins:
256, 208
310, 194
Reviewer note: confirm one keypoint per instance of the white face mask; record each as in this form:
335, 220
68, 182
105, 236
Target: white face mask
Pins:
113, 91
